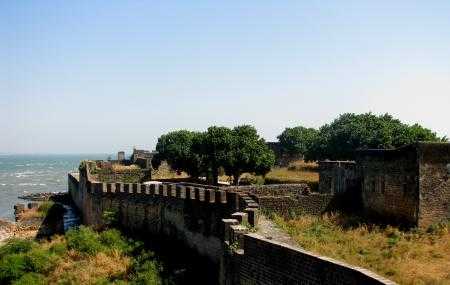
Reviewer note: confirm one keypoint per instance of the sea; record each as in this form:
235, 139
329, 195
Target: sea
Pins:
26, 174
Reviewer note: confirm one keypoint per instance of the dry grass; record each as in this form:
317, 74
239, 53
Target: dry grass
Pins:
79, 269
411, 257
165, 172
296, 172
284, 175
118, 168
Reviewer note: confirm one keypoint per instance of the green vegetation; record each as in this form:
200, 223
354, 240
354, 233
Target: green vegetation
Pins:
296, 172
82, 256
340, 139
236, 151
113, 173
176, 149
45, 207
407, 257
297, 140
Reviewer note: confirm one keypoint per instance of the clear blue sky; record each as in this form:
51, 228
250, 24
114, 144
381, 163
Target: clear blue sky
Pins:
99, 76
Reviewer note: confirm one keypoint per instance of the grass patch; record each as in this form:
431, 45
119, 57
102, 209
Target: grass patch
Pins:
82, 256
44, 208
296, 172
165, 172
407, 257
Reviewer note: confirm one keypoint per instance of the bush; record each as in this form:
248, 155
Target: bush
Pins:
12, 267
16, 246
113, 239
110, 217
58, 249
39, 260
31, 279
84, 240
146, 270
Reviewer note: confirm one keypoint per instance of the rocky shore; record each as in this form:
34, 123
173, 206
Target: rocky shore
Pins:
43, 196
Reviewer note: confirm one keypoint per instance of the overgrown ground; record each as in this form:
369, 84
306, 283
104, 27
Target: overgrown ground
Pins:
296, 172
82, 256
407, 257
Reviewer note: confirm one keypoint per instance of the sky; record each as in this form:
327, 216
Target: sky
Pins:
102, 76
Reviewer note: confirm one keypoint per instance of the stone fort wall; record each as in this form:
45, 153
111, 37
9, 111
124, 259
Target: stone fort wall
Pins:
215, 223
434, 186
390, 184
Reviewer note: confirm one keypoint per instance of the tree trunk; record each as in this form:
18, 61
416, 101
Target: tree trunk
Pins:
215, 174
236, 177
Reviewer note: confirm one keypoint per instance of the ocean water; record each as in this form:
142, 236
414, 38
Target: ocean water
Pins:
25, 174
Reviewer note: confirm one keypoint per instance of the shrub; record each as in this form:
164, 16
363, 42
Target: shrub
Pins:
16, 246
31, 279
113, 239
58, 248
110, 217
84, 240
39, 260
146, 270
12, 267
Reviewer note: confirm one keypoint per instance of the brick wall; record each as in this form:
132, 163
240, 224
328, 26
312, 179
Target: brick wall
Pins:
434, 186
288, 199
390, 184
338, 177
210, 221
263, 261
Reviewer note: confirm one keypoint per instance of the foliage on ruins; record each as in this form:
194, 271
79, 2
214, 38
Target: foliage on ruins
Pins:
235, 150
340, 139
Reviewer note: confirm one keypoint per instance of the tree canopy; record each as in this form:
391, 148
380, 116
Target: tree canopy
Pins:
176, 148
249, 153
235, 150
297, 140
340, 139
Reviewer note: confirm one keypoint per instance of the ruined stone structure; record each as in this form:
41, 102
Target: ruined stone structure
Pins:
121, 156
408, 185
215, 222
338, 176
143, 158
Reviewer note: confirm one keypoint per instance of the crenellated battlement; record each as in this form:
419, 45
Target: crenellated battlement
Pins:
217, 223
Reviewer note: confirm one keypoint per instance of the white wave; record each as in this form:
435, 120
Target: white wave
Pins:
23, 174
28, 184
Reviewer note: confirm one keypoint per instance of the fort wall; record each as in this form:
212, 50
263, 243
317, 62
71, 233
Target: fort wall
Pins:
434, 186
215, 223
390, 184
338, 177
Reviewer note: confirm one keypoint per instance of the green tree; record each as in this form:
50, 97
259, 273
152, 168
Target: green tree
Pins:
249, 153
214, 148
176, 148
297, 140
349, 132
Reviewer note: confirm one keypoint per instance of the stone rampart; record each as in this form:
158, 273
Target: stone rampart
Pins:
288, 199
216, 224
